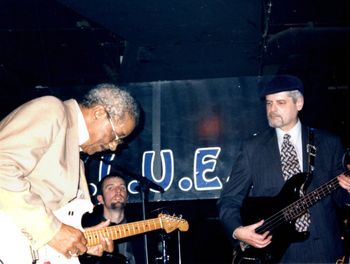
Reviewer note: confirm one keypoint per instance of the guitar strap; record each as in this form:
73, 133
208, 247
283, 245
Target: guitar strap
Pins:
311, 150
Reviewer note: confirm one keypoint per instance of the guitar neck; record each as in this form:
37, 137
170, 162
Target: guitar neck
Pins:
300, 206
316, 195
122, 230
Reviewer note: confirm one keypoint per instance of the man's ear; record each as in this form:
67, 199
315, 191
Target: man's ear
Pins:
99, 112
300, 103
100, 199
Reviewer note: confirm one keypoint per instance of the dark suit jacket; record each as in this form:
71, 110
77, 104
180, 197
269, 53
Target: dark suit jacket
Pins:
257, 172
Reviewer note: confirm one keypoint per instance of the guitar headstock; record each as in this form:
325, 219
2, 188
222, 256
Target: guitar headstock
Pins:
170, 223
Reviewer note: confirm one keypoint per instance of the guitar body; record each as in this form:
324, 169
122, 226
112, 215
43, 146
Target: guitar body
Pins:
17, 250
282, 229
15, 247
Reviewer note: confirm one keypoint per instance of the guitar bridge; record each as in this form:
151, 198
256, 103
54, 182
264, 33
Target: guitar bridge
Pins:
35, 256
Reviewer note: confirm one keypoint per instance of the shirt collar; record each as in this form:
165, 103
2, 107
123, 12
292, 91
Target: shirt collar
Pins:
295, 133
83, 132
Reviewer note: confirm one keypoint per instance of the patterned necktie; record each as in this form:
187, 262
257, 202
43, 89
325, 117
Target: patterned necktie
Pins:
289, 158
290, 167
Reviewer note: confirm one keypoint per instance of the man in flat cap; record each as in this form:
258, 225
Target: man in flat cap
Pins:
286, 163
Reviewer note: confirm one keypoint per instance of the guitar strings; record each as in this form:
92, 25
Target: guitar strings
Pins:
166, 222
123, 230
298, 206
285, 214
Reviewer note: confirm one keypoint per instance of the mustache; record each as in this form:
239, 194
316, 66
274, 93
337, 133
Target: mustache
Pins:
274, 115
118, 197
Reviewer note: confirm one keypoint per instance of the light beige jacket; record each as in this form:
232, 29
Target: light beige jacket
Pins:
39, 165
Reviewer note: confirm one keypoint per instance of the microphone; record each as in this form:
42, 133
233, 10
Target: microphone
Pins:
143, 181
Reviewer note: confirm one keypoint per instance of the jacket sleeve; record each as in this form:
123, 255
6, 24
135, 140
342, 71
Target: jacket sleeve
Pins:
25, 135
233, 193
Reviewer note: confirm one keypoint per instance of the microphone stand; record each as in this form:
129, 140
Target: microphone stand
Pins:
143, 187
165, 256
144, 191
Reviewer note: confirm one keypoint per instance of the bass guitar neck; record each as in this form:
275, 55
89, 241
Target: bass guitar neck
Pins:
280, 213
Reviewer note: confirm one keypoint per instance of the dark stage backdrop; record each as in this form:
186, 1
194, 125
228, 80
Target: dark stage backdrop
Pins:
188, 137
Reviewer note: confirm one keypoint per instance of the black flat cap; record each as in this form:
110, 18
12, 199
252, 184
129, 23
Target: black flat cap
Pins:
283, 83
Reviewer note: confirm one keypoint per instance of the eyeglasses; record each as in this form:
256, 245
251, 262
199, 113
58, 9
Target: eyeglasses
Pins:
117, 138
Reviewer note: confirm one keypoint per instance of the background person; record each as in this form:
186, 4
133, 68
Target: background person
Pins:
112, 197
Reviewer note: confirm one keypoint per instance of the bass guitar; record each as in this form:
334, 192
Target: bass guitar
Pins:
15, 248
280, 213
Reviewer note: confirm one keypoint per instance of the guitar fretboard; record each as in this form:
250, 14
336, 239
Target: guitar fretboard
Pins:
122, 230
299, 207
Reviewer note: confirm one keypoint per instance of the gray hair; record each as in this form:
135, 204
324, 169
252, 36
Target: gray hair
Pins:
116, 101
295, 94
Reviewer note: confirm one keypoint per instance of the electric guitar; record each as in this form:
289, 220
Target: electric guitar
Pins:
280, 213
15, 248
